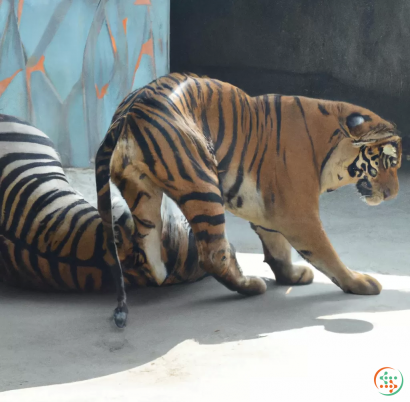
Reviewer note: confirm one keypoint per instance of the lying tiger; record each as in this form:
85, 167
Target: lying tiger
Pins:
53, 239
209, 147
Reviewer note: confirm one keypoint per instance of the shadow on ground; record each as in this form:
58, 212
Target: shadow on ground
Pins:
50, 339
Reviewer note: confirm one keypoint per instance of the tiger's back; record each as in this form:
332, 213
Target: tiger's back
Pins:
220, 129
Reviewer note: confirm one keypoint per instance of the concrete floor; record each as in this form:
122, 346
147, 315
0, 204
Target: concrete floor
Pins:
201, 342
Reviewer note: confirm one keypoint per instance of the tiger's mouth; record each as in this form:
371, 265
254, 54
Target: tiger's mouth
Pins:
368, 194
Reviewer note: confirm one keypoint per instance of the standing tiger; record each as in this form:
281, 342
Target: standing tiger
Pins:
209, 147
52, 239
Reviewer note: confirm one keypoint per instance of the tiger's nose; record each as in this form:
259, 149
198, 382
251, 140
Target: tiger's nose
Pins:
386, 193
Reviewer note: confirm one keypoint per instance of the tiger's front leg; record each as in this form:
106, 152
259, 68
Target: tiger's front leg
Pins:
309, 239
278, 255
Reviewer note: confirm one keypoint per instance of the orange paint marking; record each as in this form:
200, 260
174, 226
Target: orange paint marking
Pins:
124, 25
39, 66
142, 3
146, 48
19, 11
6, 82
114, 45
101, 94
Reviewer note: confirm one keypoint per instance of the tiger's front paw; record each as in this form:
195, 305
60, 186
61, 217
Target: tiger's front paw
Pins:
362, 284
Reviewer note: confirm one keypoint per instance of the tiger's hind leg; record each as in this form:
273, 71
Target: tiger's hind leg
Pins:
203, 207
144, 201
204, 210
277, 252
192, 182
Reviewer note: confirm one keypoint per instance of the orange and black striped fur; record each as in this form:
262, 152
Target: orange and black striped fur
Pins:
209, 146
52, 239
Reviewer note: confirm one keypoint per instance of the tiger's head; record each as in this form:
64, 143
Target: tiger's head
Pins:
369, 154
376, 167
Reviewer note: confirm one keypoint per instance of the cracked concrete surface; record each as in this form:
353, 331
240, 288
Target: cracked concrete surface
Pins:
202, 342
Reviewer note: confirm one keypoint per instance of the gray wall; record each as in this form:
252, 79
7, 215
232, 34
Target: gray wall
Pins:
352, 50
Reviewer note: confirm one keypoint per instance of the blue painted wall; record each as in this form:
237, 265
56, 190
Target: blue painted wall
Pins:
65, 65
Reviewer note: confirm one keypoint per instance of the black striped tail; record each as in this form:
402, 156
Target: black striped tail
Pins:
102, 176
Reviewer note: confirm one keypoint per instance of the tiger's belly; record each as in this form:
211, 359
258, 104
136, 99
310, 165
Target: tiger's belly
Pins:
246, 203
